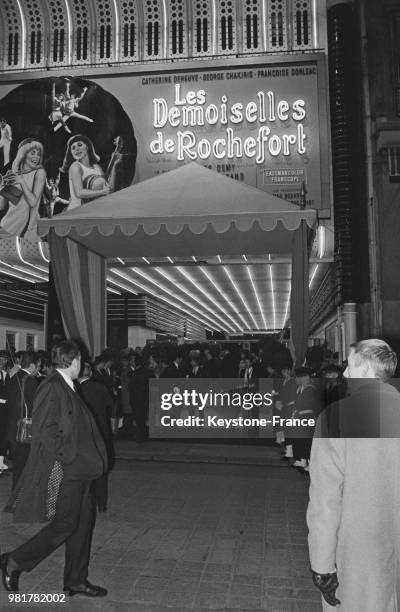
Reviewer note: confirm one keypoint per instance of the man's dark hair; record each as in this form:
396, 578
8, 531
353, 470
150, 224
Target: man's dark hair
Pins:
29, 357
63, 354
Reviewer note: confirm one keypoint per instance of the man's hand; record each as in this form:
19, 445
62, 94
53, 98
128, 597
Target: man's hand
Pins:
327, 584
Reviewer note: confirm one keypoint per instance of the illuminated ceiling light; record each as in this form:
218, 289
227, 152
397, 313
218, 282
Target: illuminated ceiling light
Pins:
271, 279
169, 292
42, 252
244, 257
24, 271
313, 275
69, 20
27, 263
236, 288
113, 291
194, 259
120, 285
321, 240
121, 260
170, 260
204, 292
23, 32
147, 289
145, 260
28, 280
223, 294
219, 258
285, 316
257, 297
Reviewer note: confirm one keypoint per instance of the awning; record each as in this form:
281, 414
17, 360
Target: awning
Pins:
187, 211
190, 210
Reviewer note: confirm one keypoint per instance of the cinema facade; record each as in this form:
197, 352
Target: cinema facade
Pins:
260, 91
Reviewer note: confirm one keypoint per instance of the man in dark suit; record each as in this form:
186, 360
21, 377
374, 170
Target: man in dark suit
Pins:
175, 368
138, 386
67, 455
20, 396
196, 369
100, 404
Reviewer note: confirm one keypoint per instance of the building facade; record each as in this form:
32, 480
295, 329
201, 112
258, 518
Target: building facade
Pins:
154, 53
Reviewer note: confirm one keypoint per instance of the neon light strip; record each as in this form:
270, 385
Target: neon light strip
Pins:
24, 271
160, 297
285, 316
236, 288
121, 260
321, 241
313, 275
223, 294
27, 263
23, 26
28, 280
120, 285
166, 290
170, 260
117, 30
202, 290
113, 291
144, 259
245, 258
257, 297
271, 278
69, 46
42, 252
219, 258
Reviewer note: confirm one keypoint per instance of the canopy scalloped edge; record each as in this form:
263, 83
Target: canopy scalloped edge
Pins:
267, 222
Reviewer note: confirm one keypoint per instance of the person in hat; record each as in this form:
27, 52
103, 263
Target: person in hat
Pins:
29, 176
307, 405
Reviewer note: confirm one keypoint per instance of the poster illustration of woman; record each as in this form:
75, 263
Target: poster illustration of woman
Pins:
29, 176
78, 156
86, 177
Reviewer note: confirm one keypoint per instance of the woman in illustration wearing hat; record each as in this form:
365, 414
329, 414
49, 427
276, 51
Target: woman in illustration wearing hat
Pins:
29, 178
86, 178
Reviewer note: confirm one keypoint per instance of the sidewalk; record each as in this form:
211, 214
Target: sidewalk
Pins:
195, 452
188, 537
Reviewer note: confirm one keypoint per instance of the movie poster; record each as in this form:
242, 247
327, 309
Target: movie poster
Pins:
63, 142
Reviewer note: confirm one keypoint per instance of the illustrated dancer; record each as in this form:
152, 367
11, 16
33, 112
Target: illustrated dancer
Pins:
57, 111
54, 204
5, 141
71, 103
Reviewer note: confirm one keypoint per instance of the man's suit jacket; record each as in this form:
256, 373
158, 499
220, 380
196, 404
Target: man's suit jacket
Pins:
139, 388
20, 381
64, 432
172, 371
100, 404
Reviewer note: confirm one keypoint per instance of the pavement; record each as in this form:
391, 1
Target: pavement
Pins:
189, 528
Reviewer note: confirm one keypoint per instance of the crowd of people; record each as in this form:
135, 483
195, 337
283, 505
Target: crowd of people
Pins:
62, 458
115, 385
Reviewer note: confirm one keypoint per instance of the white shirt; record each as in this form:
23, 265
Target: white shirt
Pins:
67, 378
